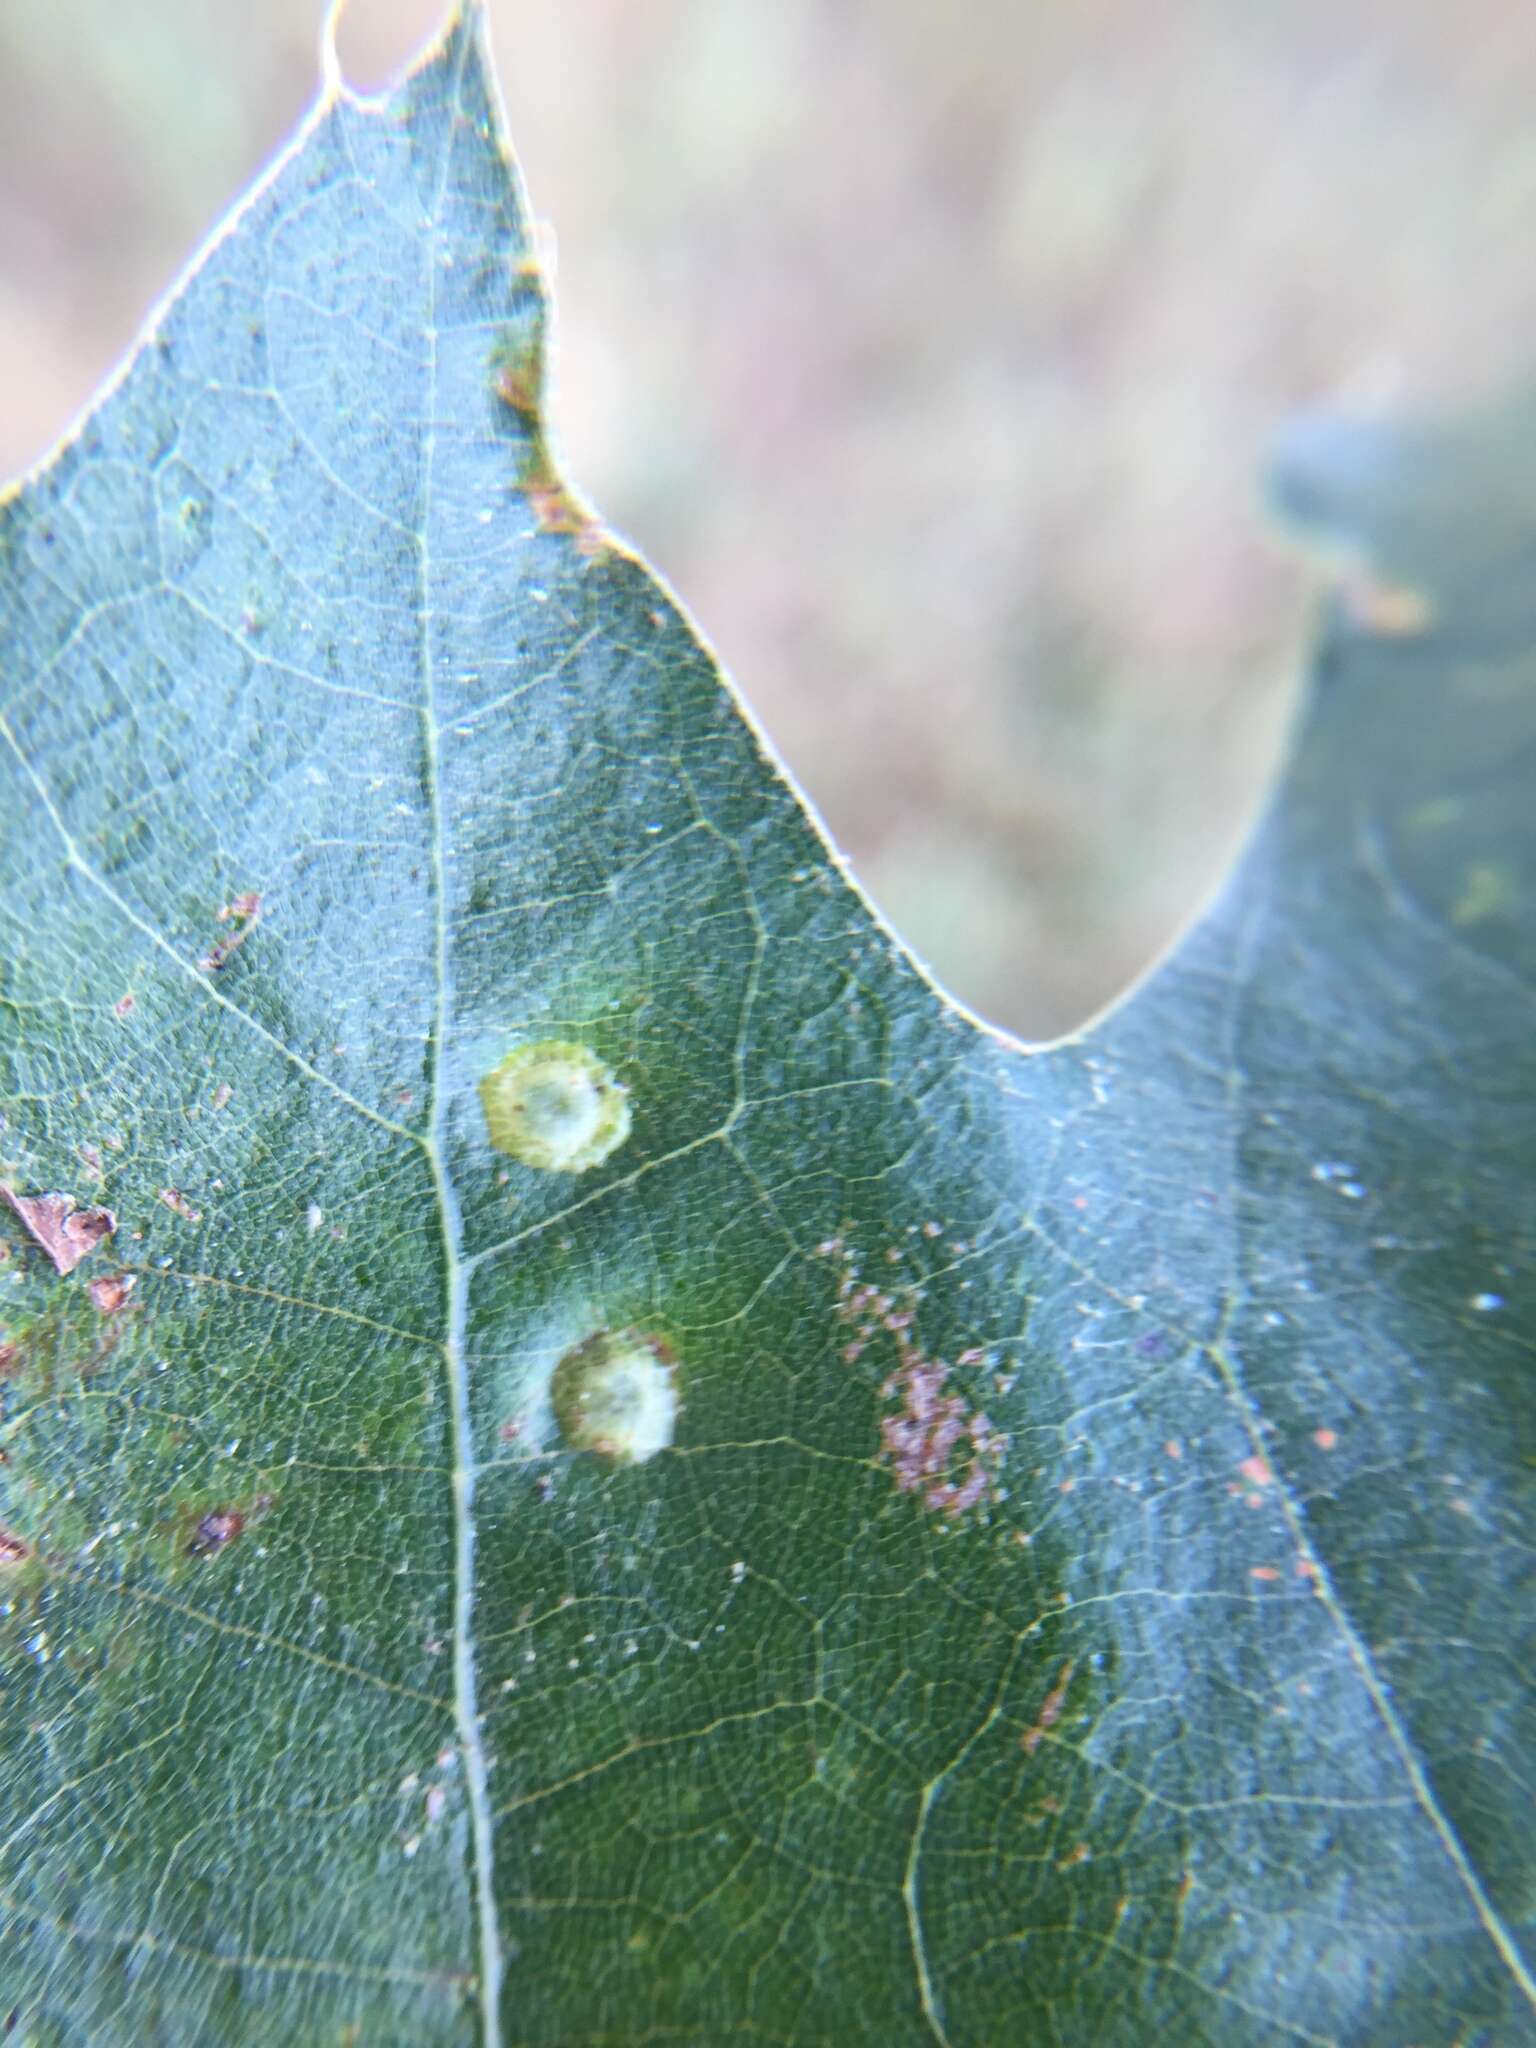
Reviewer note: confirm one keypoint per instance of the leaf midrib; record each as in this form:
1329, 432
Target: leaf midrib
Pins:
466, 1705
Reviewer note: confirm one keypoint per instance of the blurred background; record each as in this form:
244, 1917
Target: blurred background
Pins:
929, 349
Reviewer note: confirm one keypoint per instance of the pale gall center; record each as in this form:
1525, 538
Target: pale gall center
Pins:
555, 1106
616, 1396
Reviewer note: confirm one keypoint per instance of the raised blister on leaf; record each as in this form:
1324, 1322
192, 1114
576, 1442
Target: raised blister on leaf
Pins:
556, 1106
616, 1396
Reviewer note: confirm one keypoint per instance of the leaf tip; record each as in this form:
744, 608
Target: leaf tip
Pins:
333, 82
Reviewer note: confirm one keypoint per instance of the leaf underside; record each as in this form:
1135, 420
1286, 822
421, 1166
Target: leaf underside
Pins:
1083, 1599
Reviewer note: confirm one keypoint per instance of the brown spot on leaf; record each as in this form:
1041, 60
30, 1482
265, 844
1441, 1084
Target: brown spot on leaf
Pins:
1075, 1856
517, 358
175, 1200
1050, 1710
557, 509
1325, 1439
1171, 1449
66, 1234
244, 912
1256, 1471
217, 1528
110, 1292
124, 1005
10, 1360
936, 1443
930, 1436
90, 1159
517, 384
517, 381
12, 1550
221, 1094
1266, 1572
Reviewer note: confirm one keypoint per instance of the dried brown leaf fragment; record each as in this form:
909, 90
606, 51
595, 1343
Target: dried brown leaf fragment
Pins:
66, 1233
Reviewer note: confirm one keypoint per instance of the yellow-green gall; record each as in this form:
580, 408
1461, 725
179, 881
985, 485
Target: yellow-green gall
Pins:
555, 1106
616, 1396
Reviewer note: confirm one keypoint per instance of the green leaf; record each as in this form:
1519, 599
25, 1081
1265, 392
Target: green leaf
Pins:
832, 1526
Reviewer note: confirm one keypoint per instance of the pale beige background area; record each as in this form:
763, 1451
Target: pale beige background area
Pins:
929, 346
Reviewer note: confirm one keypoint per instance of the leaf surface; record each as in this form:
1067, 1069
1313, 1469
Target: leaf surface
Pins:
1081, 1598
